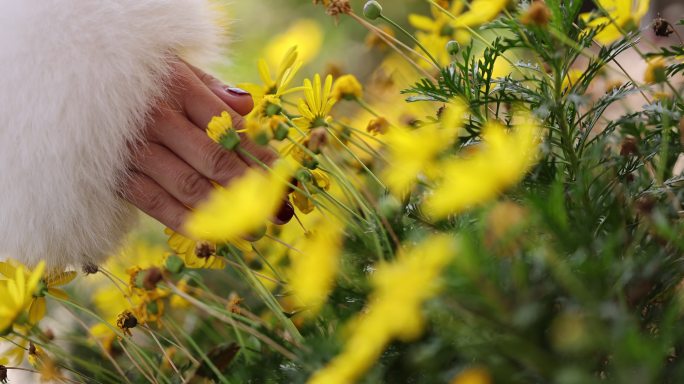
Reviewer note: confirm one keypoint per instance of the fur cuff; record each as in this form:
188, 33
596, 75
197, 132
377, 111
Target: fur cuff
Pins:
76, 83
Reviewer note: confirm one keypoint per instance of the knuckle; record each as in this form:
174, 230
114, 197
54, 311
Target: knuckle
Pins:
192, 185
156, 201
206, 78
218, 160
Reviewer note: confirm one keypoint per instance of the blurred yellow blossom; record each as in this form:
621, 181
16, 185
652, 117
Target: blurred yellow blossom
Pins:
501, 161
655, 71
472, 376
412, 151
480, 12
436, 31
17, 291
622, 15
242, 207
394, 310
307, 34
313, 270
347, 87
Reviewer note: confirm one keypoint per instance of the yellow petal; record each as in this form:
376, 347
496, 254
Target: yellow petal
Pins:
37, 310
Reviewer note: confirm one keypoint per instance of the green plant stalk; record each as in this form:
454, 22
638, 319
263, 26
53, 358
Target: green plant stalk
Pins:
410, 36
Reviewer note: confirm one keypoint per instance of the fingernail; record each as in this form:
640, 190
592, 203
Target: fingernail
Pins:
284, 214
237, 91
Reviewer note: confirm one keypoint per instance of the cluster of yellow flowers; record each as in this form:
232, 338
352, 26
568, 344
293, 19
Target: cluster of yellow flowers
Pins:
326, 165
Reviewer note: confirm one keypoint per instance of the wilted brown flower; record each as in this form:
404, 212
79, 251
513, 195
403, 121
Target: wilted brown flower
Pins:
537, 14
335, 7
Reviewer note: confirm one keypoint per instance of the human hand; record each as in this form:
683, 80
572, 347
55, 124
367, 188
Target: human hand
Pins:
176, 161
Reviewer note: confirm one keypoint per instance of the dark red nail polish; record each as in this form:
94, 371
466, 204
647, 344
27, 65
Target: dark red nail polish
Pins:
285, 213
237, 91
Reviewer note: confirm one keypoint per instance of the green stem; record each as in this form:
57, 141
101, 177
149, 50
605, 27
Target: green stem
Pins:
410, 36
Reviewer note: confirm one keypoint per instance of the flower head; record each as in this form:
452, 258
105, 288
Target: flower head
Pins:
318, 102
347, 87
17, 291
219, 126
242, 207
195, 254
621, 15
502, 162
313, 270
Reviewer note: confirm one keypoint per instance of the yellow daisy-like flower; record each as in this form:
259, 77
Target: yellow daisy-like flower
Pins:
318, 102
394, 310
17, 291
347, 87
621, 15
412, 151
655, 71
502, 162
480, 12
195, 254
313, 270
279, 85
241, 208
49, 285
219, 126
435, 32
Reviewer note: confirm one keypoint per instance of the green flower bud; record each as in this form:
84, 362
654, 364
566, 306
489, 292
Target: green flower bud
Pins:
174, 264
281, 132
372, 10
453, 47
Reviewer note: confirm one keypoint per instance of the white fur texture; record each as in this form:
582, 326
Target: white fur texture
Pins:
77, 79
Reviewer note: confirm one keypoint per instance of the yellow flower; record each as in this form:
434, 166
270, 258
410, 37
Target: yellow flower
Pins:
621, 15
480, 12
317, 104
435, 32
195, 254
412, 151
347, 87
301, 200
278, 86
49, 285
655, 71
394, 309
242, 207
472, 376
571, 78
313, 270
502, 162
104, 334
219, 126
17, 291
307, 34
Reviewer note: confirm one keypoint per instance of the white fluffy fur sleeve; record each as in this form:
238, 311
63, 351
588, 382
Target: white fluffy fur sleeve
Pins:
76, 81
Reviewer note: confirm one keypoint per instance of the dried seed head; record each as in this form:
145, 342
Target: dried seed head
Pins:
662, 27
645, 204
537, 14
3, 374
151, 278
378, 125
205, 250
335, 7
90, 268
126, 321
629, 146
317, 139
